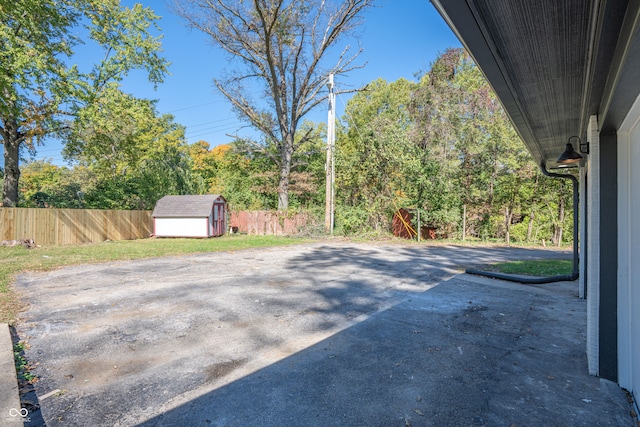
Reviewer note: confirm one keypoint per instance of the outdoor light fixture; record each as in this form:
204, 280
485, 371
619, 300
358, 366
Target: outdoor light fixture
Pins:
584, 147
570, 156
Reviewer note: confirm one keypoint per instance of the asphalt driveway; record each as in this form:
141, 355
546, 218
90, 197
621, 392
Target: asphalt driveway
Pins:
316, 334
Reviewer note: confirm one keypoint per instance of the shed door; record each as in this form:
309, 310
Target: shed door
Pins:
218, 219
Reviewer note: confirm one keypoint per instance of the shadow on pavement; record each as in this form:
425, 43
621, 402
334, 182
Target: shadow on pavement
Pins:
464, 353
321, 334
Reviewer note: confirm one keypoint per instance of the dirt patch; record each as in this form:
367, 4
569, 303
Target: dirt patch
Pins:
218, 370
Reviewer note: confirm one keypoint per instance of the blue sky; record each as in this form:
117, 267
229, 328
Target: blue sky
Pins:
400, 38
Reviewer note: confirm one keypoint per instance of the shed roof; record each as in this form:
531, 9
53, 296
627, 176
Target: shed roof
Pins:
190, 206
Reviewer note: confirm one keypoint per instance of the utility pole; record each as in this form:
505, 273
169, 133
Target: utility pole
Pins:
330, 166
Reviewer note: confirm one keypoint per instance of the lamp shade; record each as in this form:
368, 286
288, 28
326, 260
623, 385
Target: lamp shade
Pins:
569, 155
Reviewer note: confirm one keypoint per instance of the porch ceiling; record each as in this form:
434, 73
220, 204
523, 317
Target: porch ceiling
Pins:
553, 63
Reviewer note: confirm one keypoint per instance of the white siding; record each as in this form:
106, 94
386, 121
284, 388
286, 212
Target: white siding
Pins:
182, 227
629, 251
593, 246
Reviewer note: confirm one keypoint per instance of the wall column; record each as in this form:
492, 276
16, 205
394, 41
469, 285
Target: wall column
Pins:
592, 243
608, 306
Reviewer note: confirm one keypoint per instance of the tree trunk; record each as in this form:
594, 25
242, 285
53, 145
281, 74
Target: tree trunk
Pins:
464, 221
530, 227
11, 165
494, 177
533, 209
283, 190
507, 225
286, 155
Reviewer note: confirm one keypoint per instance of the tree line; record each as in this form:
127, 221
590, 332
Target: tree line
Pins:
441, 144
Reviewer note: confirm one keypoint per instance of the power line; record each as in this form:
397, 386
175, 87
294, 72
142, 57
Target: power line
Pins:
215, 128
196, 106
210, 122
211, 129
209, 133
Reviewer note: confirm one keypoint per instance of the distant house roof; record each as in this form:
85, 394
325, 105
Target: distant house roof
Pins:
198, 206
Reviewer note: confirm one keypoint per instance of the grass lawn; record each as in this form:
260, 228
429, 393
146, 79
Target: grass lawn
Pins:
16, 259
541, 268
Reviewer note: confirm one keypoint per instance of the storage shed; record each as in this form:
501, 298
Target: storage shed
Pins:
190, 216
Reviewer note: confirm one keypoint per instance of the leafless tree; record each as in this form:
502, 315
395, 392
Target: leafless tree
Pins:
278, 51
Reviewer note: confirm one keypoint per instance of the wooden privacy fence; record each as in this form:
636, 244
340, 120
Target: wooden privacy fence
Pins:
77, 226
73, 226
268, 222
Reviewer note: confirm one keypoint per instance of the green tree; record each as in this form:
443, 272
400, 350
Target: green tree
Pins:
443, 145
241, 176
41, 86
248, 181
373, 155
481, 163
280, 49
307, 189
205, 163
136, 155
45, 185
